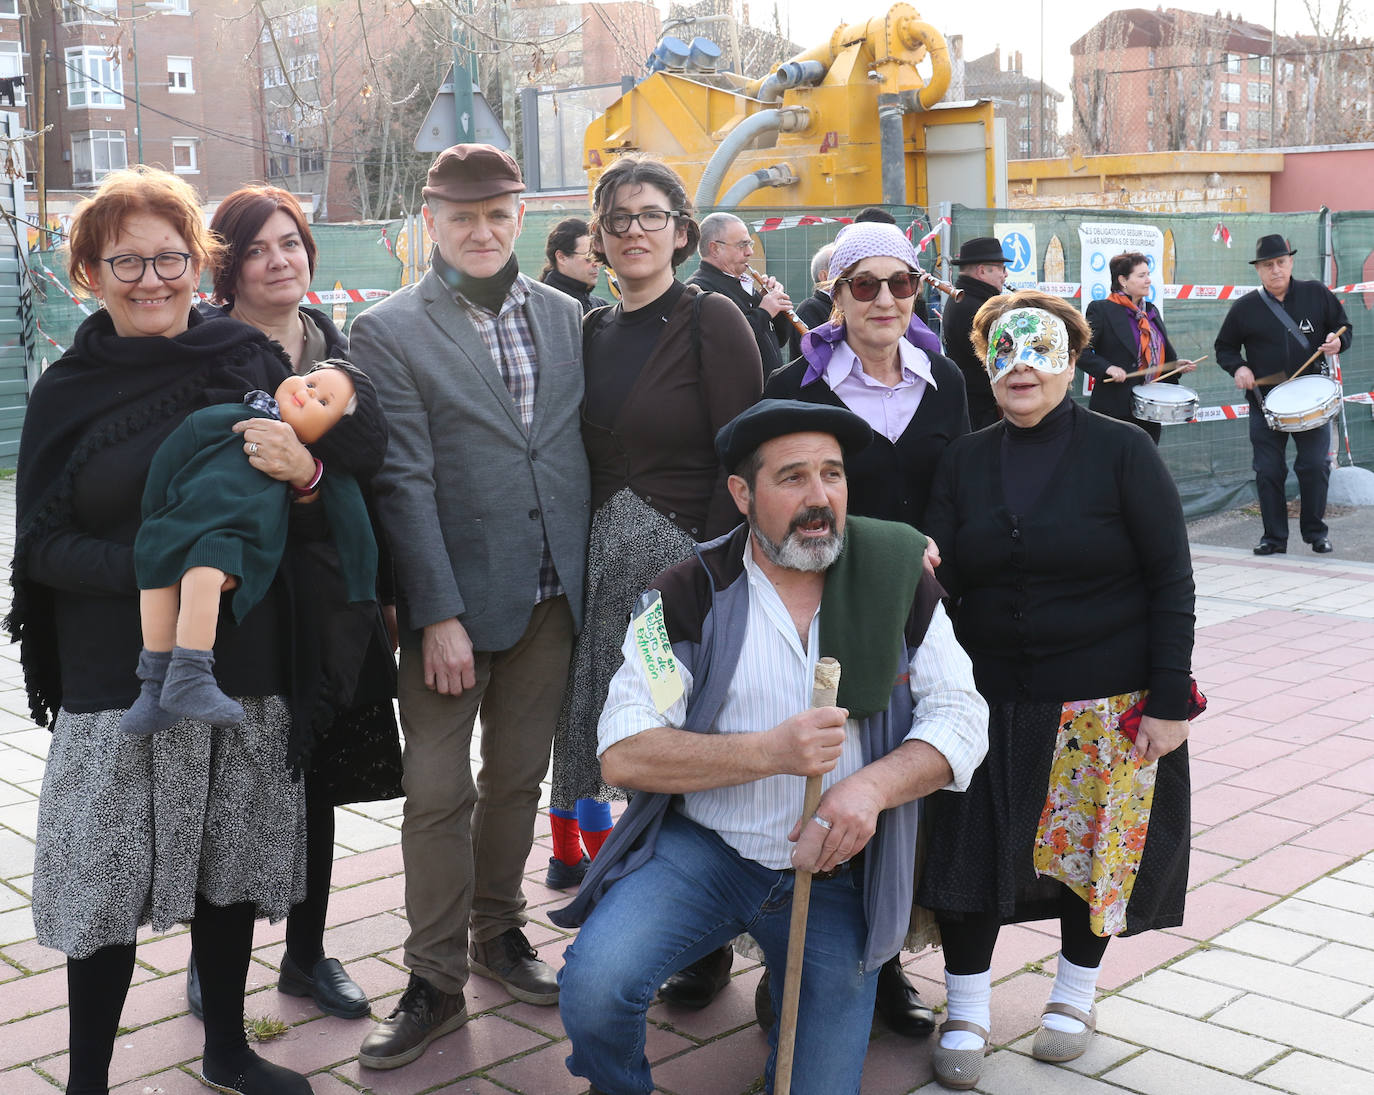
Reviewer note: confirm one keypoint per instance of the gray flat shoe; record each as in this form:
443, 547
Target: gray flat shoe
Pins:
1057, 1046
960, 1069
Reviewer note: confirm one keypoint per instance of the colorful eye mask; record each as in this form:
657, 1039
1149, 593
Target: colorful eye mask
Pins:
1027, 336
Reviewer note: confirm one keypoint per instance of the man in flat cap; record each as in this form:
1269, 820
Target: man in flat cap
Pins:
1265, 338
484, 497
708, 720
982, 273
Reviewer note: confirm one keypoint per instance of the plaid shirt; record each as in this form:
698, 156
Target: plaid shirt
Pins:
509, 340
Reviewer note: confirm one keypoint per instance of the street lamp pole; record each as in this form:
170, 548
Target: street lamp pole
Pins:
134, 5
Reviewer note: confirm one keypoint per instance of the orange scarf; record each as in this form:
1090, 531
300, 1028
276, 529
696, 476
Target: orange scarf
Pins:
1151, 340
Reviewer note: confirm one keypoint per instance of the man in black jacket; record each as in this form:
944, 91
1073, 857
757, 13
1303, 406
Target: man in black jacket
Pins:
816, 308
725, 253
1278, 328
982, 273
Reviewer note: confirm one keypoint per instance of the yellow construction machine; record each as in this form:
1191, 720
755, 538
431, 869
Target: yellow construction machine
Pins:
854, 121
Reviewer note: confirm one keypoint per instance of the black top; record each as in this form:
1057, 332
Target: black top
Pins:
1252, 335
1089, 593
891, 480
770, 332
1030, 455
1116, 341
615, 347
958, 322
580, 291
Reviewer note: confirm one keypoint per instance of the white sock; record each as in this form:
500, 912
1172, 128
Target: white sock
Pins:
967, 997
1075, 986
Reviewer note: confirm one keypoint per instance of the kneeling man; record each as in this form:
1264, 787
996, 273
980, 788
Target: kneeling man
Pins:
706, 849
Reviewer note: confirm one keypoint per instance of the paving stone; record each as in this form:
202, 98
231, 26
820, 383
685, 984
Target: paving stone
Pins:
172, 1081
1205, 866
1205, 1043
1283, 869
1335, 924
16, 854
1134, 957
1222, 802
1007, 1073
1340, 894
1268, 941
1102, 1053
1304, 1074
1303, 987
1174, 991
894, 1065
1361, 872
732, 1063
1347, 835
1363, 1015
25, 1081
1155, 1073
1302, 1028
365, 866
1341, 960
1248, 836
1215, 906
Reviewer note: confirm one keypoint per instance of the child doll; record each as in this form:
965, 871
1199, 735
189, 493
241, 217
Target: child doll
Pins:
209, 516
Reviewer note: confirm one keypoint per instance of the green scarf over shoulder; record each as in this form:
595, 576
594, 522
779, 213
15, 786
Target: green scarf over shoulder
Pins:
868, 595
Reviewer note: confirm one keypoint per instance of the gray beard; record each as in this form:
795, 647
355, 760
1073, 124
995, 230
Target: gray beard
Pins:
794, 553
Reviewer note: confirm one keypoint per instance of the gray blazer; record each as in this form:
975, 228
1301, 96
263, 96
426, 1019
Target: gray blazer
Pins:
466, 496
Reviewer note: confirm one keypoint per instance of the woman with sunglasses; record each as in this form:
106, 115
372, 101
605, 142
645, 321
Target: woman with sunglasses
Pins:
1065, 555
872, 359
666, 367
197, 823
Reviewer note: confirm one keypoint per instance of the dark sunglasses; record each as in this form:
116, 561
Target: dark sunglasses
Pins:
866, 287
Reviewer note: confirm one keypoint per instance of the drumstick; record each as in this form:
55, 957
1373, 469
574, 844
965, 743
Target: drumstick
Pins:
825, 689
1279, 378
1314, 356
1142, 372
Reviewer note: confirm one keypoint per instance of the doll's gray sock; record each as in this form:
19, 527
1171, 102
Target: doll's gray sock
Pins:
147, 716
190, 690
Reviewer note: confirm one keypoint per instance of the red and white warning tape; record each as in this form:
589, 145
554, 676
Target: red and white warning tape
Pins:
346, 296
772, 224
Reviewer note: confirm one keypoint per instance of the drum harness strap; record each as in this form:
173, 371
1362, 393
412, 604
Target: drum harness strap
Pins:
1289, 323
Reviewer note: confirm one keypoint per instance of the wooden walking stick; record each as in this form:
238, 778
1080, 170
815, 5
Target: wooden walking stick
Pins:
825, 688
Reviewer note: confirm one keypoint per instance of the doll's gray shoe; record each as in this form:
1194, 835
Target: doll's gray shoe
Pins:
960, 1069
147, 716
190, 690
1056, 1046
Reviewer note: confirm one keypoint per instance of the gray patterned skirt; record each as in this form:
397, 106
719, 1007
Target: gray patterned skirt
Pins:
631, 543
130, 830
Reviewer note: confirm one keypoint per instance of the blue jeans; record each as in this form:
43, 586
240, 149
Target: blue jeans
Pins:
694, 896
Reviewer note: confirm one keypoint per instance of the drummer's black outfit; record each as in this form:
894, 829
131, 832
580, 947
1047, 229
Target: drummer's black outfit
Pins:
1269, 347
1116, 341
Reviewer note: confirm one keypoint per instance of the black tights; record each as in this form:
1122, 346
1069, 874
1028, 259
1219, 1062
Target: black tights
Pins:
96, 987
968, 943
305, 924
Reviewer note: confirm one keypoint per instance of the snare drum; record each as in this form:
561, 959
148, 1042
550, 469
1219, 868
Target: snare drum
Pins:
1302, 404
1166, 403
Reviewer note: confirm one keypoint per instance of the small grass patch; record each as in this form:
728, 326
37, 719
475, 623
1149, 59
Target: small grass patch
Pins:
1034, 967
259, 1028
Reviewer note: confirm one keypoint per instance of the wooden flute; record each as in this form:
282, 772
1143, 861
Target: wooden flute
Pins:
801, 327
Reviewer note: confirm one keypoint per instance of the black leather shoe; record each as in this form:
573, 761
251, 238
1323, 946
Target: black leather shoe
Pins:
423, 1014
763, 1005
510, 960
1268, 548
243, 1072
898, 1005
701, 982
334, 992
1322, 546
193, 997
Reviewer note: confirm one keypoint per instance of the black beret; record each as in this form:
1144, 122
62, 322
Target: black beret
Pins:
770, 418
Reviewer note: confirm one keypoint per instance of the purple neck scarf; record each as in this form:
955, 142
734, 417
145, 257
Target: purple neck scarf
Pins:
818, 345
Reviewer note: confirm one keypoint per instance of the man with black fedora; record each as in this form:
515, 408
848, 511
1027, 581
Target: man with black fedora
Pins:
485, 499
707, 848
1264, 340
982, 273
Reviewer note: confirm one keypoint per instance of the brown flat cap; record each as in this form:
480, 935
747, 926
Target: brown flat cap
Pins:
473, 173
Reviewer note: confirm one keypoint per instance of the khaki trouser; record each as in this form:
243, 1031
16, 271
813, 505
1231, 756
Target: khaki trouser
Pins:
465, 844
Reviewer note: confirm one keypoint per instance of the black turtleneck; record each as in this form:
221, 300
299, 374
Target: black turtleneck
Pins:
617, 349
580, 291
1031, 453
489, 293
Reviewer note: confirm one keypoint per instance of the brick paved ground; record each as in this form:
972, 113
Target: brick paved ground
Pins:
1268, 985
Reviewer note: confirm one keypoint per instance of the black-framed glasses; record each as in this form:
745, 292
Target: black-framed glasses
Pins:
167, 265
866, 287
650, 220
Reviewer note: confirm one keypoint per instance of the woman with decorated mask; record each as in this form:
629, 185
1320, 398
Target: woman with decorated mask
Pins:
872, 358
1065, 555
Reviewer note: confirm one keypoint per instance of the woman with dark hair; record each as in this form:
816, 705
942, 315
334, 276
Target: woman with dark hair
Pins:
198, 823
1065, 555
570, 267
1128, 336
666, 367
350, 734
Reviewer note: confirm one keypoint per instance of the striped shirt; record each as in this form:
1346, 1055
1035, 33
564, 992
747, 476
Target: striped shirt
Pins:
772, 683
509, 340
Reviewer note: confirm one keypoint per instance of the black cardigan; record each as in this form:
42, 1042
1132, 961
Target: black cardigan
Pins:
770, 332
1089, 595
1116, 341
891, 480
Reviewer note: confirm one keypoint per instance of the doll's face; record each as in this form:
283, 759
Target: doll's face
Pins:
312, 404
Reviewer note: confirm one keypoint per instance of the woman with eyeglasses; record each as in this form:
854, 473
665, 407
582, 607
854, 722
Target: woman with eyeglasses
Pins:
913, 396
195, 824
666, 367
569, 265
